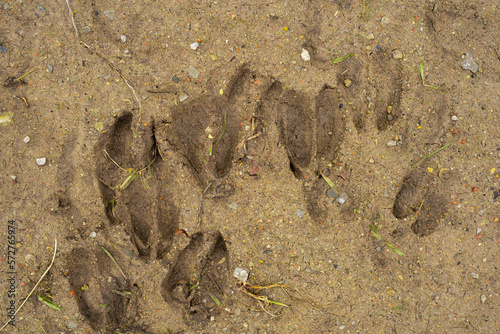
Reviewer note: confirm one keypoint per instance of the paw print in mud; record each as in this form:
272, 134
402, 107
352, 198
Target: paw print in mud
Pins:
139, 164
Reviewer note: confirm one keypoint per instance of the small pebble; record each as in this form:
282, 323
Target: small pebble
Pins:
483, 299
474, 275
478, 230
193, 72
41, 161
347, 83
385, 20
396, 54
3, 49
26, 139
392, 143
240, 274
93, 234
183, 98
50, 68
454, 118
175, 79
72, 325
212, 318
342, 198
194, 46
13, 177
109, 13
342, 327
370, 36
331, 193
237, 312
123, 38
29, 257
305, 55
233, 206
379, 249
300, 213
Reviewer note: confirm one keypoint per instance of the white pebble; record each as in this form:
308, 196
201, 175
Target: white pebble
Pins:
183, 98
27, 139
483, 299
391, 143
305, 55
194, 46
454, 118
93, 234
240, 274
123, 38
41, 161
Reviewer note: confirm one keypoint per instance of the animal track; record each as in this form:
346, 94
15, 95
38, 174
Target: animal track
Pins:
104, 296
137, 175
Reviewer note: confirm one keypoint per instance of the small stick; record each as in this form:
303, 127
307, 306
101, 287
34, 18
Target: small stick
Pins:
36, 285
419, 208
430, 155
19, 79
114, 261
72, 18
117, 165
121, 75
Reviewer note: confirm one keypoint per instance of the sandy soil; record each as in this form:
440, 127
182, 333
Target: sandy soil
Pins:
169, 165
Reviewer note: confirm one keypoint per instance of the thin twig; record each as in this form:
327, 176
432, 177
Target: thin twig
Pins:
419, 208
429, 155
19, 79
36, 285
72, 18
114, 69
114, 261
117, 165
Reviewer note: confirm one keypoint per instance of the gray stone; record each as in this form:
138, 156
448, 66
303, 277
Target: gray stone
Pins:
233, 206
41, 161
300, 213
183, 98
332, 193
3, 49
109, 13
193, 72
379, 249
386, 20
123, 38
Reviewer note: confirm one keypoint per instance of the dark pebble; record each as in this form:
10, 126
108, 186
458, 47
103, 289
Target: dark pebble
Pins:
341, 106
175, 79
332, 193
3, 49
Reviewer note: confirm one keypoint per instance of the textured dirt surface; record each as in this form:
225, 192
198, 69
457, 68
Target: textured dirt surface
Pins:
183, 164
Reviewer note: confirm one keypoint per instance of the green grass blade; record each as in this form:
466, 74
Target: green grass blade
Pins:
422, 71
429, 155
122, 293
329, 181
277, 303
215, 299
339, 59
129, 179
49, 303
